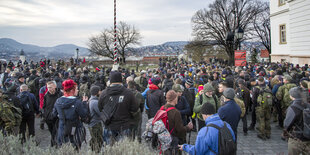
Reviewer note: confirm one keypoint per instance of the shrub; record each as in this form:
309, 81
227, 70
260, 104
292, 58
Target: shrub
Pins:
12, 145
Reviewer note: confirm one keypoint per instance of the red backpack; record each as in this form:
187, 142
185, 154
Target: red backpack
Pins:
162, 114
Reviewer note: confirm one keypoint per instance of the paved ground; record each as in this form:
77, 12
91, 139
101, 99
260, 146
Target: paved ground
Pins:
249, 144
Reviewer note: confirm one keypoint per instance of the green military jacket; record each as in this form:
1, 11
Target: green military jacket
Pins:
283, 94
205, 99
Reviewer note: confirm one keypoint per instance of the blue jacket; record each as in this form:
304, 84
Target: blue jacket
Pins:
74, 109
145, 95
207, 138
230, 113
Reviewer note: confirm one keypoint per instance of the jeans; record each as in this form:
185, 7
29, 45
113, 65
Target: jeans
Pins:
112, 136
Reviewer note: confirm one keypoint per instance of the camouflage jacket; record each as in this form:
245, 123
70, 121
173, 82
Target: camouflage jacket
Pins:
7, 118
283, 94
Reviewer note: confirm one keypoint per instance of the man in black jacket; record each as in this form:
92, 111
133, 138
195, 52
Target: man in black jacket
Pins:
127, 106
49, 100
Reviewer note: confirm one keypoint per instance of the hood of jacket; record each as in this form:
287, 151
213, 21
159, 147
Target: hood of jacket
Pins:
213, 118
115, 89
66, 102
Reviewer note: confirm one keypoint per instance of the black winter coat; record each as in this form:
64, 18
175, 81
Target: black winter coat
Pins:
154, 100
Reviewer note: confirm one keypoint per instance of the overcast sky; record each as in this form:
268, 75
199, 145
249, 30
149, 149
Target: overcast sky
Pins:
53, 22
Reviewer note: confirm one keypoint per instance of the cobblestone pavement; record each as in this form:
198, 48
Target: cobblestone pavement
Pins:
249, 144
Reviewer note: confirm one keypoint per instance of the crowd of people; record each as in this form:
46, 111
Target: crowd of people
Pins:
208, 98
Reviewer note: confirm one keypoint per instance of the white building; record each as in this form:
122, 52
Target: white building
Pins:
290, 31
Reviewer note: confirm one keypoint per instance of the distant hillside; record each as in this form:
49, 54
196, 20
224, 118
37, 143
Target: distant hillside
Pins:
66, 50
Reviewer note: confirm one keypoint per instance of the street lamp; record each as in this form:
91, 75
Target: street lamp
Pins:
77, 55
239, 35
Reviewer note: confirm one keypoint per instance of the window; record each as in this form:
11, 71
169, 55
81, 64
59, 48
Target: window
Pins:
282, 34
281, 2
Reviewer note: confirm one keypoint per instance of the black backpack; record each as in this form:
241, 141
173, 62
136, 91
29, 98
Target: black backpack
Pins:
226, 143
26, 104
305, 111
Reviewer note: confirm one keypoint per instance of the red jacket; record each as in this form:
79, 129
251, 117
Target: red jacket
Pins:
42, 92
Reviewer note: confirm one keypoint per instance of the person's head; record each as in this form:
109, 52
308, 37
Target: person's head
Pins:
295, 93
115, 77
287, 79
208, 89
172, 97
23, 88
178, 89
189, 83
94, 91
207, 110
178, 81
8, 70
21, 78
222, 86
241, 83
261, 80
304, 84
253, 82
131, 85
70, 88
156, 81
51, 87
229, 94
128, 79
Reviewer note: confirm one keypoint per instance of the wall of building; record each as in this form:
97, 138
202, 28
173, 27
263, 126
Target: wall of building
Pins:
296, 15
300, 27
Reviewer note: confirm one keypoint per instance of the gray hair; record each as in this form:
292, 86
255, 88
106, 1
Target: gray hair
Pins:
23, 88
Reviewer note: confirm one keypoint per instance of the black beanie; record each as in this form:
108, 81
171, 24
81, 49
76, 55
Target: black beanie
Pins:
115, 77
207, 109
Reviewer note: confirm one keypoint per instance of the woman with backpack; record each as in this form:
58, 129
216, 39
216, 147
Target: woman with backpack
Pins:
70, 111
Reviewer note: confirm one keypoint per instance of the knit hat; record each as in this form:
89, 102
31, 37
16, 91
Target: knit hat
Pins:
207, 109
155, 81
171, 95
68, 85
178, 88
189, 82
229, 93
288, 78
207, 88
115, 77
295, 92
94, 90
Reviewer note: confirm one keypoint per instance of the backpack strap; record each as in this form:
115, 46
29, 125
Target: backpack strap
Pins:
215, 100
218, 128
299, 107
200, 99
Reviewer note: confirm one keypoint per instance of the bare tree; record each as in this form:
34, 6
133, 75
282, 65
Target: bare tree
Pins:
103, 44
223, 17
262, 29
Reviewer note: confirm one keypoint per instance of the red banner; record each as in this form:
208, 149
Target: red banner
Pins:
240, 62
240, 58
264, 54
240, 54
